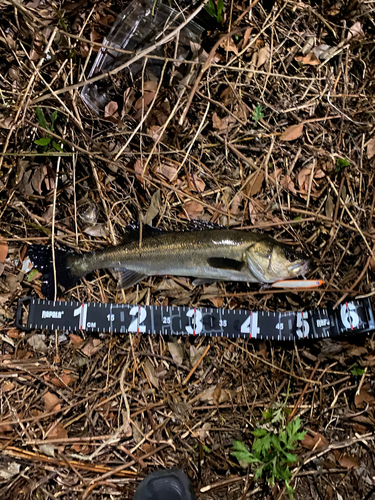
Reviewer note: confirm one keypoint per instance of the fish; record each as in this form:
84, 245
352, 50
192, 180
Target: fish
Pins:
206, 253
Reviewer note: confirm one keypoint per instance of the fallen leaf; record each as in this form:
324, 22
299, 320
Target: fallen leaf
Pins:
92, 347
292, 133
256, 185
235, 204
64, 380
371, 148
217, 394
150, 86
314, 442
229, 45
364, 397
111, 109
176, 351
357, 351
153, 209
98, 231
47, 449
226, 96
304, 177
167, 171
217, 122
263, 56
347, 461
195, 354
197, 184
321, 49
222, 124
75, 340
51, 401
3, 250
193, 209
58, 431
253, 211
7, 386
246, 37
355, 30
287, 183
139, 169
5, 427
150, 372
308, 59
37, 342
147, 98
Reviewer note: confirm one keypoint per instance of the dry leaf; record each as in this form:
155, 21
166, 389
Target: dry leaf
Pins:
235, 204
51, 402
217, 394
292, 133
195, 354
150, 86
139, 169
256, 185
253, 211
150, 372
355, 30
197, 184
309, 59
92, 347
347, 461
110, 109
263, 56
315, 442
99, 230
58, 431
64, 380
371, 148
3, 250
193, 209
7, 387
176, 351
226, 96
364, 397
229, 45
304, 177
75, 340
287, 183
222, 124
147, 98
170, 173
5, 427
153, 209
217, 122
246, 37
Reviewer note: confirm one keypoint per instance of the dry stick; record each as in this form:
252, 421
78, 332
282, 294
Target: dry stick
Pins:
138, 56
300, 399
188, 376
205, 67
358, 280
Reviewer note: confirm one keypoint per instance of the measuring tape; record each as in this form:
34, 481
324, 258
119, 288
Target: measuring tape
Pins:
349, 318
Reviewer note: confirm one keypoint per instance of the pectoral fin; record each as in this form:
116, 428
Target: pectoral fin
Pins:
227, 264
129, 278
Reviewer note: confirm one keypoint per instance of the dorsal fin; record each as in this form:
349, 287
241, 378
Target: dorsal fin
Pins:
200, 225
132, 232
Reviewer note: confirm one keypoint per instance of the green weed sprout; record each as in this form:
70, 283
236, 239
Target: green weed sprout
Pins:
273, 448
46, 141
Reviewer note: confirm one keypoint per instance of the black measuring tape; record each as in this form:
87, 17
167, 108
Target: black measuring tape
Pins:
349, 318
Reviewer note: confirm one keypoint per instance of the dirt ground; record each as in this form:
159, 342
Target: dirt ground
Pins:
264, 122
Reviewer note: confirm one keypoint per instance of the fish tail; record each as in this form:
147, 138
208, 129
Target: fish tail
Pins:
41, 258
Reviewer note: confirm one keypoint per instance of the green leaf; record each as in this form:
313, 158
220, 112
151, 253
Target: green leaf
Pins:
341, 163
289, 490
291, 458
259, 472
41, 118
57, 146
43, 141
356, 370
239, 446
32, 275
211, 8
259, 432
257, 113
220, 8
53, 119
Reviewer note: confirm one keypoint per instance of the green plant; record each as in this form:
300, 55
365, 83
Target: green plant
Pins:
273, 448
341, 163
215, 11
257, 113
46, 141
356, 370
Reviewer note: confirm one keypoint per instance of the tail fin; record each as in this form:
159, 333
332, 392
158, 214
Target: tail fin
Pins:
41, 257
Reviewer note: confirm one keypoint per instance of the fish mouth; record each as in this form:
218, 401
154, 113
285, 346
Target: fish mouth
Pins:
301, 267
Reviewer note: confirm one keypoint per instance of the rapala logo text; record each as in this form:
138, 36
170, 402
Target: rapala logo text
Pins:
52, 314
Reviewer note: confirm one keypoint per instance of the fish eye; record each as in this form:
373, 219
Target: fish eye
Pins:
291, 256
